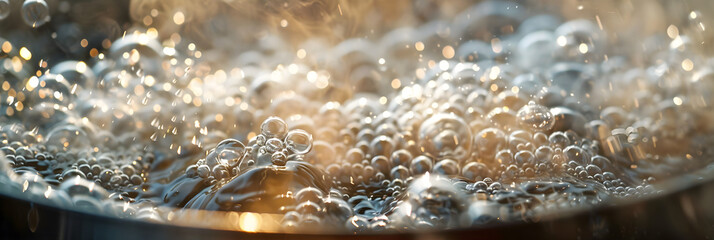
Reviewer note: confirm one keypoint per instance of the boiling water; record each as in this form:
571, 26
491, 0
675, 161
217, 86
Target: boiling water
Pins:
509, 116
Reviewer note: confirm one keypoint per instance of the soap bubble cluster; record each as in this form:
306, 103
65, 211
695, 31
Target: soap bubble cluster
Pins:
274, 146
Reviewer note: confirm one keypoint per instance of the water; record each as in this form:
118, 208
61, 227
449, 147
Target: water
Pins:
523, 115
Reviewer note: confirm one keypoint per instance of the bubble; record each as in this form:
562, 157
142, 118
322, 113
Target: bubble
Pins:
77, 186
274, 127
381, 164
298, 141
542, 22
273, 145
401, 157
229, 152
203, 171
580, 40
446, 167
434, 200
614, 116
4, 9
309, 194
474, 51
593, 169
572, 77
529, 84
475, 171
35, 13
400, 172
568, 119
536, 49
524, 158
322, 153
504, 157
68, 136
445, 135
308, 209
535, 117
278, 158
577, 154
73, 173
50, 89
75, 72
421, 165
488, 141
489, 19
381, 146
220, 171
136, 180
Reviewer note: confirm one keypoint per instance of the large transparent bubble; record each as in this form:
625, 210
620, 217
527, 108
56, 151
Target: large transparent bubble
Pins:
445, 135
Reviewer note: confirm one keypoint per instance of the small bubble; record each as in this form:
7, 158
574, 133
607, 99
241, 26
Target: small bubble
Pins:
274, 127
35, 13
4, 9
298, 141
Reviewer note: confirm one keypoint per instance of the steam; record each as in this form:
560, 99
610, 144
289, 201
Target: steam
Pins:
299, 19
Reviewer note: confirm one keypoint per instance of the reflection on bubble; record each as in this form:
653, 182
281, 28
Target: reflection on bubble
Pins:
35, 13
445, 135
535, 117
4, 9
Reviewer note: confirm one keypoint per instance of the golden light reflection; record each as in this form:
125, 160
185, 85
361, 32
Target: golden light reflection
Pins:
583, 48
448, 52
6, 47
419, 46
249, 222
25, 53
396, 83
81, 67
687, 65
179, 18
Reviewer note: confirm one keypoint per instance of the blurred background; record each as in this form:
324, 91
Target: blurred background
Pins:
235, 26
